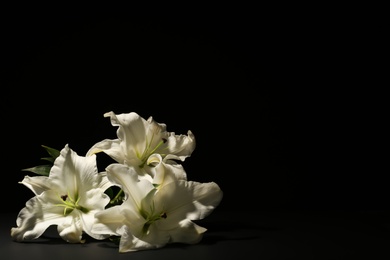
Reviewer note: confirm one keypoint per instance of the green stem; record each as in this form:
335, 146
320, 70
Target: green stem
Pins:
116, 197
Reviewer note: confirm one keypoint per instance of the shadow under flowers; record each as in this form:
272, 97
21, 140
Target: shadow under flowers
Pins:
225, 230
220, 227
51, 237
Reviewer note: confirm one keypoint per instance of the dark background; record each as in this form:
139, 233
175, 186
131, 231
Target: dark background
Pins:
267, 92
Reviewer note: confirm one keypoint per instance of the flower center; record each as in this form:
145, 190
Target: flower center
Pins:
151, 218
149, 150
70, 204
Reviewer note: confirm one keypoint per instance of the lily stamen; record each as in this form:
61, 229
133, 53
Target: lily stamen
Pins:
146, 153
70, 204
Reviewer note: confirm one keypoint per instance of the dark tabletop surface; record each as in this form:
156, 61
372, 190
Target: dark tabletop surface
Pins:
234, 235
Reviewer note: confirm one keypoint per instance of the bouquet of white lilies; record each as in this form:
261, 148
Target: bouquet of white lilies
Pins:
143, 200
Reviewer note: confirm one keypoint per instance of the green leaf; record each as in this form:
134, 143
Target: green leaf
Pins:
49, 159
51, 151
45, 169
41, 169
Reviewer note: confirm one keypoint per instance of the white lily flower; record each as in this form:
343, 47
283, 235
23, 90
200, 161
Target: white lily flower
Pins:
152, 217
138, 139
69, 198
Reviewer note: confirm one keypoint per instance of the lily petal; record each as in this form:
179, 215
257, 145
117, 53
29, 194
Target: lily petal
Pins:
132, 131
37, 184
32, 221
112, 148
186, 200
131, 243
163, 173
71, 229
127, 178
188, 232
181, 145
110, 221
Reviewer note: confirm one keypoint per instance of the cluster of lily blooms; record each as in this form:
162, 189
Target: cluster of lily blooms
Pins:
142, 200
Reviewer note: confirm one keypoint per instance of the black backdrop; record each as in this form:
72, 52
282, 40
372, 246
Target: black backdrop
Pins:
259, 88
